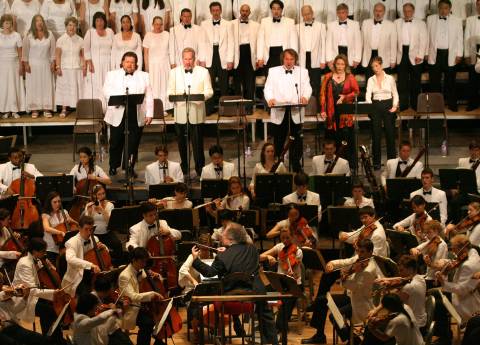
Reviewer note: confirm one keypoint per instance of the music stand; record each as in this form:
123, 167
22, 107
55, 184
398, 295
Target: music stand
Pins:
271, 188
162, 190
122, 219
187, 97
332, 187
180, 219
283, 283
342, 218
9, 203
213, 188
461, 178
127, 100
399, 188
401, 241
62, 184
313, 259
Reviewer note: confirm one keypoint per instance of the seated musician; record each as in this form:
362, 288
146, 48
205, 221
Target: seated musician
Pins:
53, 216
396, 166
414, 222
289, 258
75, 281
469, 225
129, 282
235, 200
179, 201
322, 164
358, 198
218, 168
88, 325
239, 256
39, 301
141, 232
400, 323
371, 229
432, 194
87, 169
163, 170
5, 236
100, 209
267, 163
473, 161
302, 233
10, 171
302, 195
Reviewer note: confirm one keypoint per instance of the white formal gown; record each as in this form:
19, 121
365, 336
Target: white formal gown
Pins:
121, 46
153, 11
55, 15
24, 12
91, 9
121, 8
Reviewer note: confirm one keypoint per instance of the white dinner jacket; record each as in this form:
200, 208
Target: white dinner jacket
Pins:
287, 26
181, 38
7, 175
318, 41
116, 83
455, 38
341, 167
438, 196
203, 10
391, 169
225, 44
201, 84
390, 9
319, 8
465, 164
253, 28
26, 274
281, 87
140, 233
387, 45
178, 5
354, 8
354, 41
421, 8
75, 249
258, 9
472, 38
311, 199
154, 174
208, 171
418, 40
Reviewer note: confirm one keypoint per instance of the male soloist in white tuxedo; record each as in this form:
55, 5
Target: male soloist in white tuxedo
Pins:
183, 80
117, 83
184, 35
288, 84
258, 8
472, 46
395, 167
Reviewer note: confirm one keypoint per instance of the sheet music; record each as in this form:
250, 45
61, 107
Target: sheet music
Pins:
160, 324
335, 311
57, 321
451, 309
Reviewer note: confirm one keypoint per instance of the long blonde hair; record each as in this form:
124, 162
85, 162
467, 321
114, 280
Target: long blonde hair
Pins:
33, 28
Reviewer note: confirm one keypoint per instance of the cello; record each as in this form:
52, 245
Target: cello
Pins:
98, 256
83, 189
65, 227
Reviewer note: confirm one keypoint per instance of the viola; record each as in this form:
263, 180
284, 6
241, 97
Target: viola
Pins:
25, 211
288, 257
98, 256
302, 232
63, 227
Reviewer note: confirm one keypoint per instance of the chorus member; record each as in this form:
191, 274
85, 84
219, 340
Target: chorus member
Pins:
74, 281
343, 37
276, 34
38, 57
183, 35
302, 195
149, 10
473, 161
87, 169
354, 9
218, 51
319, 8
382, 93
414, 223
288, 84
178, 201
378, 237
98, 42
70, 67
126, 40
245, 33
120, 8
421, 7
23, 12
100, 209
55, 12
163, 170
6, 255
298, 226
358, 198
472, 45
88, 8
339, 87
267, 163
157, 64
11, 170
322, 164
218, 168
312, 35
4, 7
432, 194
379, 39
195, 80
472, 230
53, 215
177, 8
463, 8
203, 10
12, 94
445, 51
258, 8
368, 10
411, 50
116, 83
396, 166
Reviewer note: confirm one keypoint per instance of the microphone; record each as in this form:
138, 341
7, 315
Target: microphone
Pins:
298, 95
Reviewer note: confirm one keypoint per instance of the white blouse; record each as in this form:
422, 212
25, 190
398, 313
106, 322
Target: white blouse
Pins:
235, 203
121, 46
9, 45
386, 90
54, 219
99, 221
101, 46
157, 45
70, 47
98, 171
259, 169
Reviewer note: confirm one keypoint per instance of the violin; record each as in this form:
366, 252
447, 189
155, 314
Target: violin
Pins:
389, 285
432, 246
288, 258
98, 256
64, 227
302, 232
358, 265
366, 231
467, 223
418, 225
381, 322
455, 263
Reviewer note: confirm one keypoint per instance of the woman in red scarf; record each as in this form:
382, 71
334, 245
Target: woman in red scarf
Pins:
339, 87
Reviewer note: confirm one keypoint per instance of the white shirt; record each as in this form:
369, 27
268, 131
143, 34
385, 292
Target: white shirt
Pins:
406, 33
404, 331
82, 174
260, 169
307, 37
365, 202
442, 33
209, 172
436, 195
391, 169
70, 47
155, 173
24, 12
244, 33
141, 232
311, 198
9, 173
54, 219
441, 253
465, 163
121, 8
408, 223
379, 239
276, 39
185, 270
319, 167
386, 90
474, 235
342, 35
297, 269
236, 203
416, 291
375, 36
99, 220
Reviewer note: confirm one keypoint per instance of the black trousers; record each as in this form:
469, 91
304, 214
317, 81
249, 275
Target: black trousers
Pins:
119, 338
435, 75
281, 132
273, 58
472, 332
15, 335
473, 87
315, 75
117, 140
195, 132
145, 328
343, 134
381, 115
319, 305
244, 74
44, 310
111, 240
285, 311
409, 79
216, 71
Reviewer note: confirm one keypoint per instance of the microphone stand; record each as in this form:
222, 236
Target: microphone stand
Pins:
355, 133
128, 161
300, 132
187, 134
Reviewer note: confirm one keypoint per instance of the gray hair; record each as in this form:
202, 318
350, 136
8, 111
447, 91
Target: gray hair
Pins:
236, 233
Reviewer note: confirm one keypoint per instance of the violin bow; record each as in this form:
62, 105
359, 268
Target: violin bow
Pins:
359, 231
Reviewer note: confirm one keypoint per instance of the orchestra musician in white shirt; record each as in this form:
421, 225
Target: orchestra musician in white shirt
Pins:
163, 170
473, 161
396, 166
321, 164
218, 168
358, 198
302, 195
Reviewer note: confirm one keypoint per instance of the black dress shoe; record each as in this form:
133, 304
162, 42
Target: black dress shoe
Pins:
112, 171
472, 107
316, 339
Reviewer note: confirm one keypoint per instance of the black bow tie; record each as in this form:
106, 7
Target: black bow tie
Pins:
408, 20
15, 168
427, 193
152, 226
244, 22
188, 71
163, 166
86, 243
327, 162
287, 71
216, 23
275, 20
377, 22
472, 160
442, 18
308, 24
218, 168
128, 73
139, 273
403, 162
478, 17
302, 197
342, 23
187, 26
